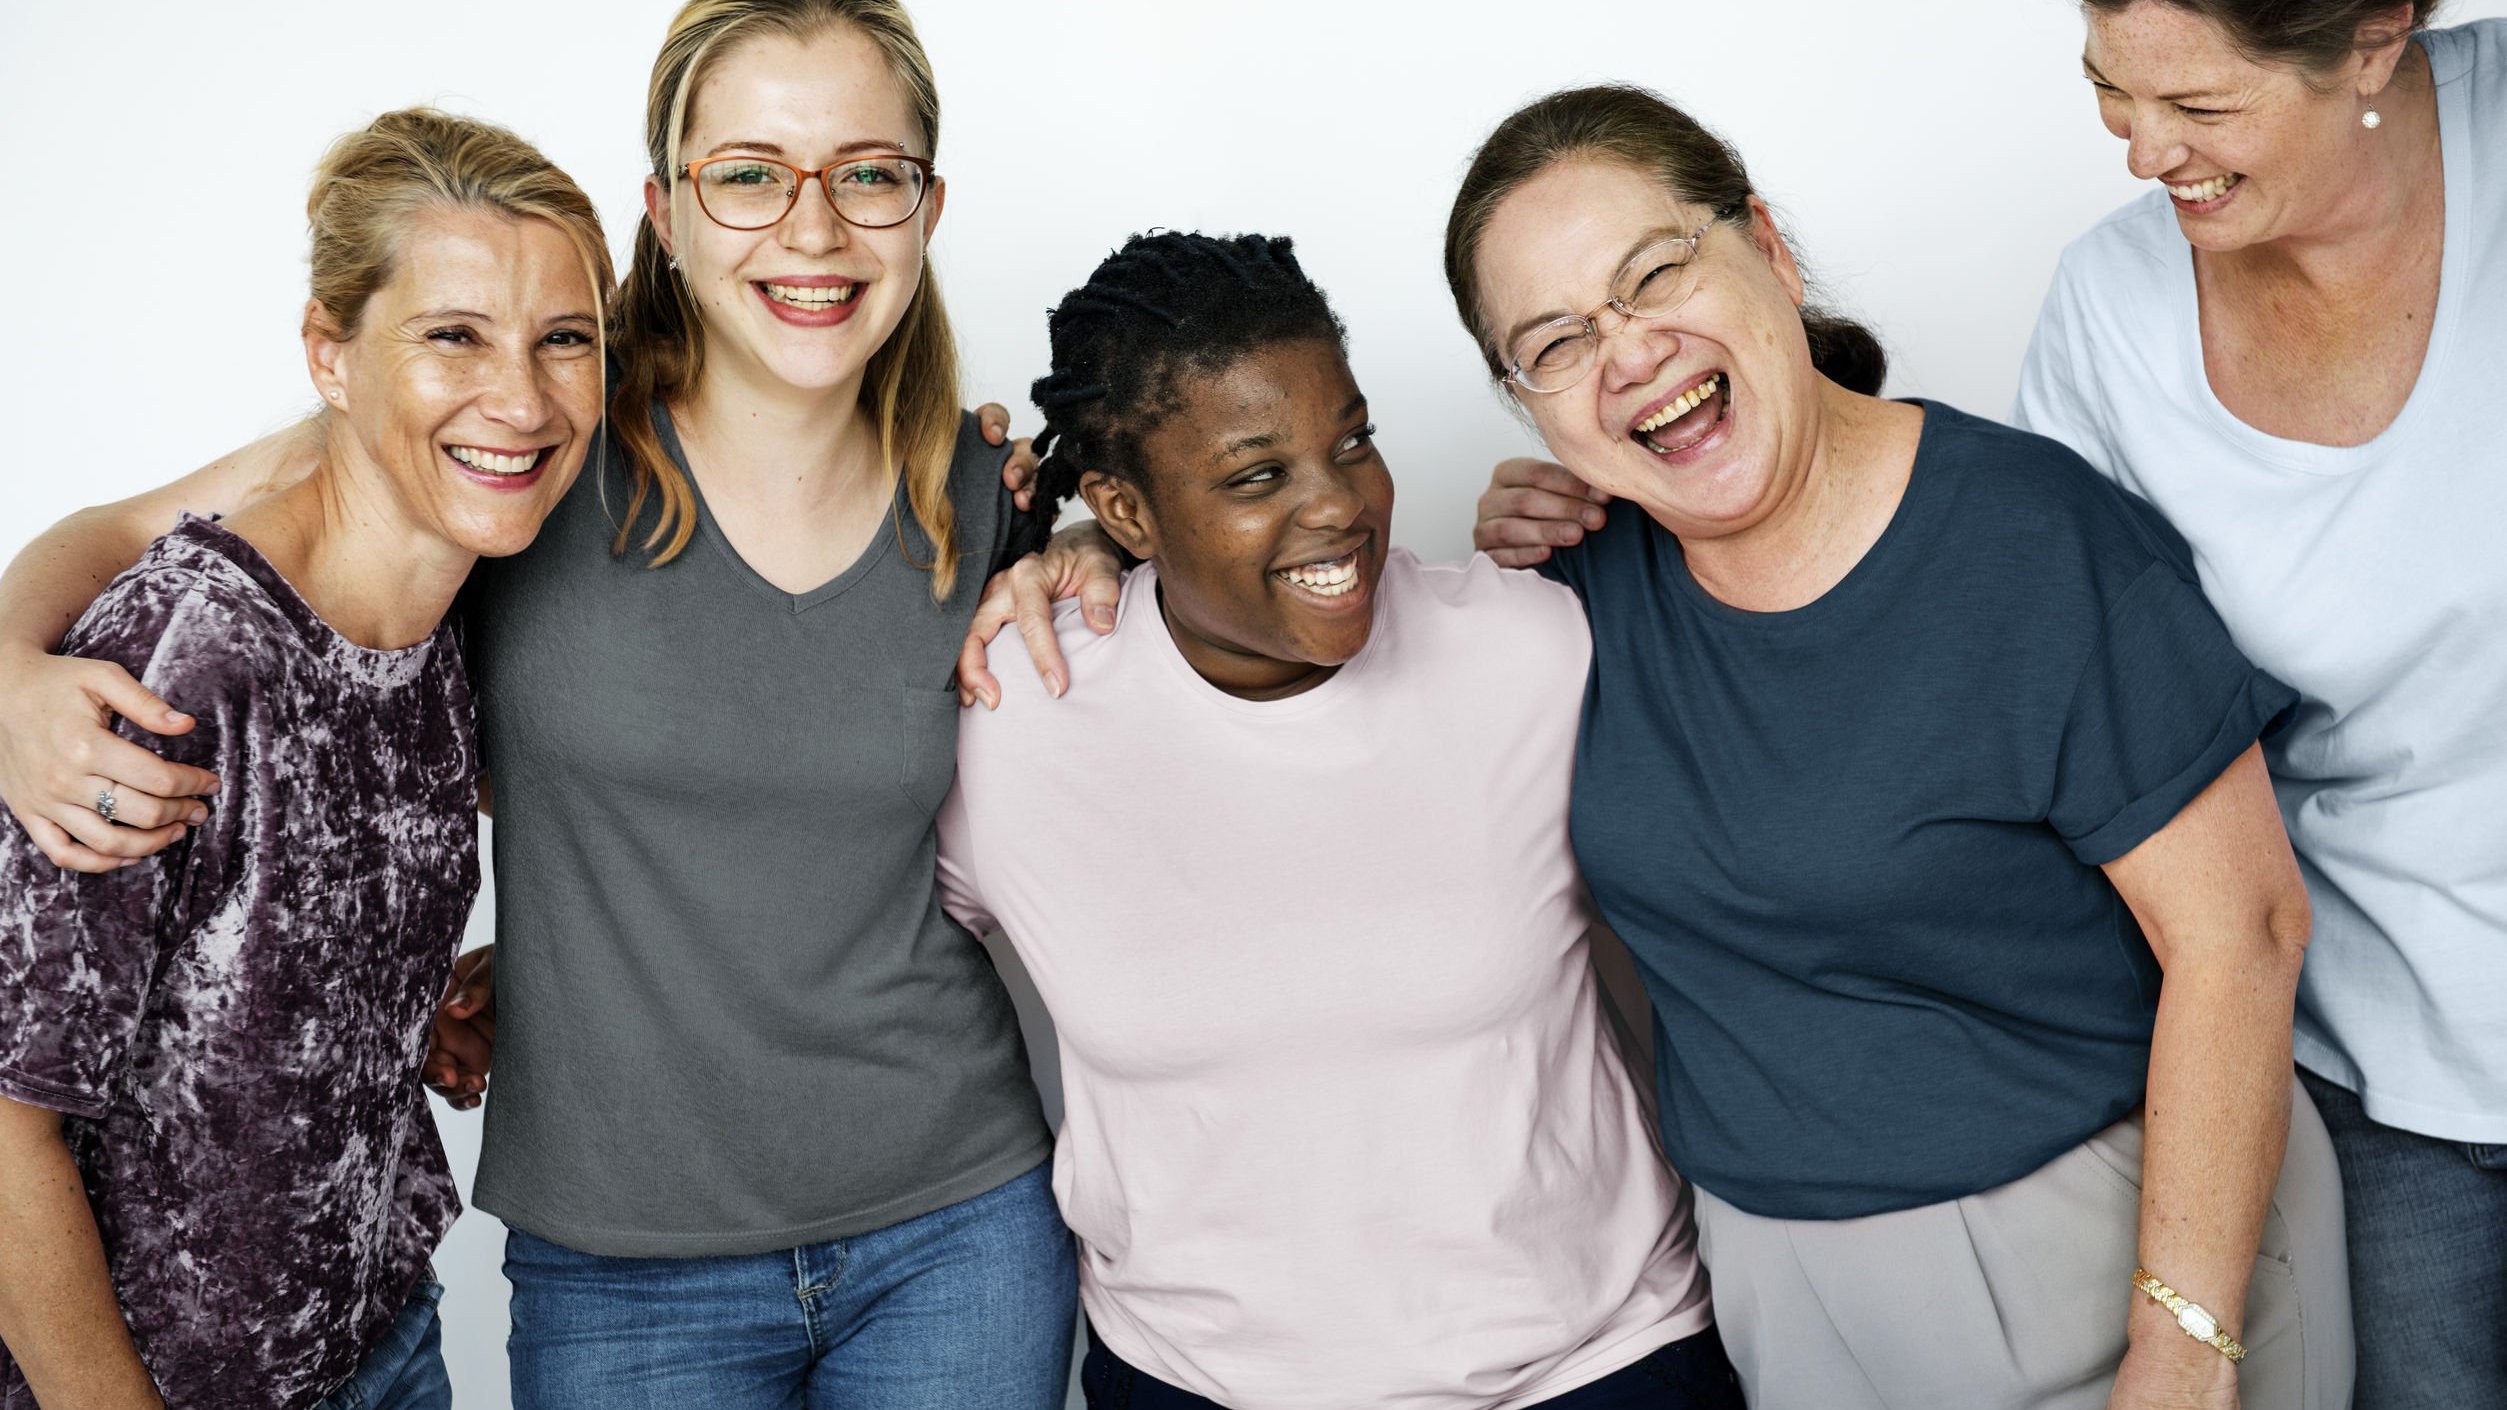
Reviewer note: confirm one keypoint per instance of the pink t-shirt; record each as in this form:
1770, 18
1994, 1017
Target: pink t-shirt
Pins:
1343, 1122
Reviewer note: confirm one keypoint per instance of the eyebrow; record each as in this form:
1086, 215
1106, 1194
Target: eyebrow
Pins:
477, 317
1268, 439
2090, 71
1650, 237
770, 149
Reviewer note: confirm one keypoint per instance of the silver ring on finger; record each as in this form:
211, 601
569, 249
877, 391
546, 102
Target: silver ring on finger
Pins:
106, 803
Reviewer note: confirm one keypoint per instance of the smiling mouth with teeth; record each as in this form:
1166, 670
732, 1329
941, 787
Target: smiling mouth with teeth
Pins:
1338, 578
810, 296
490, 463
2201, 191
1678, 410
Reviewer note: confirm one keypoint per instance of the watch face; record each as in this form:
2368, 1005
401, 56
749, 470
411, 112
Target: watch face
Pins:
2198, 1322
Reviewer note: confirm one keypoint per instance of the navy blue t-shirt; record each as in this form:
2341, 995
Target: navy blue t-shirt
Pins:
1854, 847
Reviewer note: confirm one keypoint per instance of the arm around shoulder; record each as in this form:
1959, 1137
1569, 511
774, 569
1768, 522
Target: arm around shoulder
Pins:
56, 713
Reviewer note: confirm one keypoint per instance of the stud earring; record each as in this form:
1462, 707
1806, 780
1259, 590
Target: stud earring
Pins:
674, 264
2370, 119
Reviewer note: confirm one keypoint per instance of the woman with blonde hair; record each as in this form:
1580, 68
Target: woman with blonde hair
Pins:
763, 1130
219, 1183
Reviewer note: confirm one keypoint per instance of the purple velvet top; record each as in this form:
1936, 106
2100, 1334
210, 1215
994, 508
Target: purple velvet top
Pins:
234, 1028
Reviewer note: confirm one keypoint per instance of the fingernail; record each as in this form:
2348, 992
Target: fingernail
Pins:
198, 815
1102, 618
1053, 683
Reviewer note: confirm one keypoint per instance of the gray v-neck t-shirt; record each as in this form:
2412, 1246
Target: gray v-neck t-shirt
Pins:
732, 1016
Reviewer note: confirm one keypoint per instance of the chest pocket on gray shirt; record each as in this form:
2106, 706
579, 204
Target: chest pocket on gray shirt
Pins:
929, 761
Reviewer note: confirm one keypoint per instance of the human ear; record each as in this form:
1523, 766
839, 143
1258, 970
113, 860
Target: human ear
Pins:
933, 200
326, 354
1121, 513
657, 210
2379, 45
1779, 255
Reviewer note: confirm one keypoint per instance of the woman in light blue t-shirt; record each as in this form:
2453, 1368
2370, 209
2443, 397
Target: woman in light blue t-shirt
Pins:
2294, 351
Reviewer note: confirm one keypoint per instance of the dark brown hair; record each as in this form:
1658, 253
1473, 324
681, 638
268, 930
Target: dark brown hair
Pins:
1636, 128
2313, 36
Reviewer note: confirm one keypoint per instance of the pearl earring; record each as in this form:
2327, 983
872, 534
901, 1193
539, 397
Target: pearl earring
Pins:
2369, 119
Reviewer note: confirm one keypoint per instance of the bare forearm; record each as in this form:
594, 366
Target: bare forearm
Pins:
67, 565
2218, 1124
57, 1310
63, 570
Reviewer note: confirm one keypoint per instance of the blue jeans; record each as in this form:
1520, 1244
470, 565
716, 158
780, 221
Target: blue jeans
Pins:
970, 1305
1689, 1374
405, 1370
2428, 1260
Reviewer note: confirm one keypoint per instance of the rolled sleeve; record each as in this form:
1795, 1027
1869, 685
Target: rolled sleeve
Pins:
2165, 703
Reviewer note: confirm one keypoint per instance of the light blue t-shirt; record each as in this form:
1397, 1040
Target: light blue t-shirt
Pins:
2371, 578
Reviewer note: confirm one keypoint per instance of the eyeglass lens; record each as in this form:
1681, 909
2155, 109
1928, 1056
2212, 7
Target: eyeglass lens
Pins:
1658, 281
751, 193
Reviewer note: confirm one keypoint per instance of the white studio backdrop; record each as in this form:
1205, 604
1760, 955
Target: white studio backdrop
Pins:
1929, 159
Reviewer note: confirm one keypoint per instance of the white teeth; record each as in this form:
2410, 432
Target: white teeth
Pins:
1326, 579
1685, 403
493, 463
2201, 191
811, 296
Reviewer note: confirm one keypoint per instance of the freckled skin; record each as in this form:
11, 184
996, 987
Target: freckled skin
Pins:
2295, 138
1553, 246
1219, 523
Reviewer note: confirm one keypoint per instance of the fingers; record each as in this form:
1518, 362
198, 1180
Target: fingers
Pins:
136, 771
471, 991
114, 689
1490, 535
1524, 472
65, 851
994, 418
1528, 503
1035, 623
123, 845
1099, 595
1518, 557
995, 611
143, 810
458, 1060
1018, 473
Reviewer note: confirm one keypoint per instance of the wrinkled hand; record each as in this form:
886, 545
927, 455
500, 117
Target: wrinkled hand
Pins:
1018, 474
58, 751
1080, 562
1532, 506
463, 1044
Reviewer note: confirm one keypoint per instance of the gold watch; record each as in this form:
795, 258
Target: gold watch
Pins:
2196, 1322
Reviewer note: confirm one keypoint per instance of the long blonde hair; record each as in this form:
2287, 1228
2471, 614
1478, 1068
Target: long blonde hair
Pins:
911, 384
373, 180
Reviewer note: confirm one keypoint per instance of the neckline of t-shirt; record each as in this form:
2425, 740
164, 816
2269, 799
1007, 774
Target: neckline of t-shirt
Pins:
381, 665
1138, 611
1868, 572
2446, 72
872, 554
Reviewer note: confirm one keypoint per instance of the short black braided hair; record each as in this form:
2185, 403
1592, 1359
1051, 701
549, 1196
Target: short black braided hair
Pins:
1164, 307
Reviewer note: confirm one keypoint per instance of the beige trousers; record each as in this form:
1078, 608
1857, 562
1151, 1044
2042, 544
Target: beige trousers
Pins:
2017, 1297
